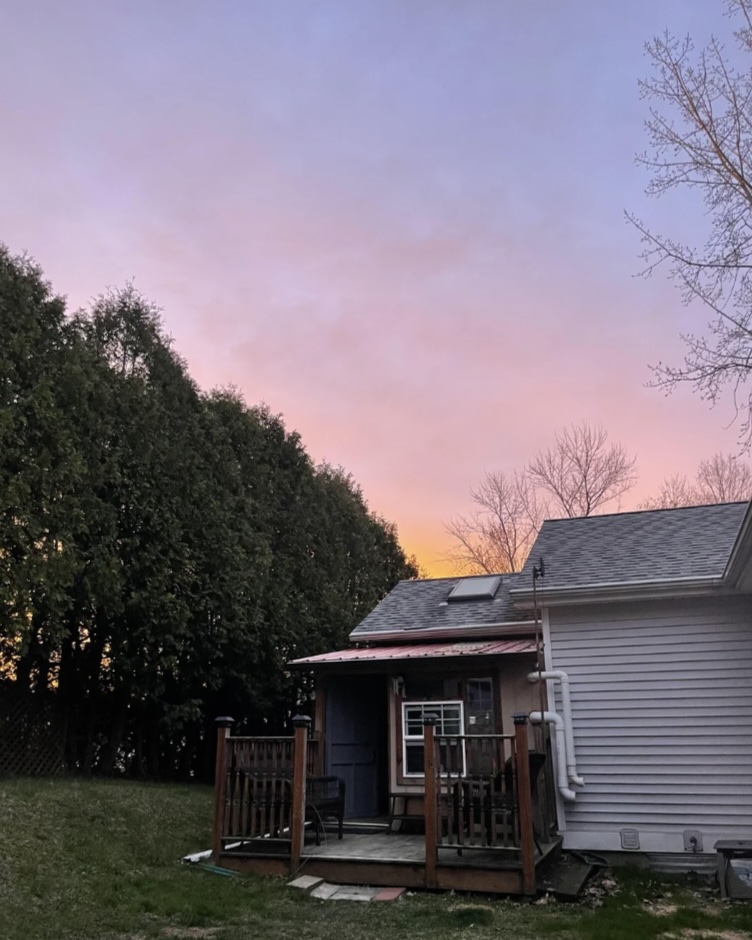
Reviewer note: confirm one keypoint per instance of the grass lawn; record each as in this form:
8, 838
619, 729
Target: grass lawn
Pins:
100, 859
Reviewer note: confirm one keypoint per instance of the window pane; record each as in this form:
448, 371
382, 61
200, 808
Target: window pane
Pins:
451, 723
480, 695
414, 759
448, 723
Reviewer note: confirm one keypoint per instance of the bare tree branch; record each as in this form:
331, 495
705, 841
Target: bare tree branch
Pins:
500, 532
723, 478
582, 472
700, 134
675, 491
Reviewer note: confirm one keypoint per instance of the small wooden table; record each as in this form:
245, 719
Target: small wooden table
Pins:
395, 816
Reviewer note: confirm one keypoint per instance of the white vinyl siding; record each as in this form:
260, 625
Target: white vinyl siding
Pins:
662, 714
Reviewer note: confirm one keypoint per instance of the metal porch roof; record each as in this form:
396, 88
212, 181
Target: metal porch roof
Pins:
420, 651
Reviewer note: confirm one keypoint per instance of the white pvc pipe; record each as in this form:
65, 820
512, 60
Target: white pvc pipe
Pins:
561, 752
566, 707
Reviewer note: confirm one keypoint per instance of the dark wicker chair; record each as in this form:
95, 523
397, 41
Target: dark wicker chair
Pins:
325, 799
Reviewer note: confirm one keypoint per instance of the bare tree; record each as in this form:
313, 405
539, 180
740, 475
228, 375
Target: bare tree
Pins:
675, 491
723, 478
583, 472
700, 133
499, 534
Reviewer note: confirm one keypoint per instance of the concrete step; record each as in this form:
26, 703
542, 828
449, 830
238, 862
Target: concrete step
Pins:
323, 891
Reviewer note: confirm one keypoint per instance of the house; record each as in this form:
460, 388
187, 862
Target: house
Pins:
650, 616
599, 700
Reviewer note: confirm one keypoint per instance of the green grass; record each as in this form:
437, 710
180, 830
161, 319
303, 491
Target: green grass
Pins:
100, 859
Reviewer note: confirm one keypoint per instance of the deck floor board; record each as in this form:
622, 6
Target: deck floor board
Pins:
404, 847
378, 845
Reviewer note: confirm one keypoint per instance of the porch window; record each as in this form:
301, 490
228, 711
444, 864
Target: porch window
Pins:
449, 721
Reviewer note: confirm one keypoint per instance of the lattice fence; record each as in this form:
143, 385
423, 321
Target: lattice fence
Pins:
31, 737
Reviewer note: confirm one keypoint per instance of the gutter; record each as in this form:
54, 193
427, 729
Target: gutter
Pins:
623, 590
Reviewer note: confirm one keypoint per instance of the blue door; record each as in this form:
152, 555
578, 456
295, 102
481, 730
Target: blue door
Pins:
356, 748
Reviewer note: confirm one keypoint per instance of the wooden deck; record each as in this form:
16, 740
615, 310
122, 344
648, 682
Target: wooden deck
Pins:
392, 860
478, 831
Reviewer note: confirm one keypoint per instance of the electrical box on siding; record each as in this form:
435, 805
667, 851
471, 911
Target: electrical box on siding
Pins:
692, 840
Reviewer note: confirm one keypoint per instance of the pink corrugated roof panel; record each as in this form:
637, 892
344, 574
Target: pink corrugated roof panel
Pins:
421, 651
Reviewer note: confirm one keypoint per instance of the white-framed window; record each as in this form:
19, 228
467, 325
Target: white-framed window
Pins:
449, 721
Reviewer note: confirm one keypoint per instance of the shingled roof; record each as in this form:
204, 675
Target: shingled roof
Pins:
659, 545
415, 606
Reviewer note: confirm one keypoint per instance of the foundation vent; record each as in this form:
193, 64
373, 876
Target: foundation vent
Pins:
630, 839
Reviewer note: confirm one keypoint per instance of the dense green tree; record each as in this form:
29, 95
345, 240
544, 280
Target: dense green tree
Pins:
38, 468
163, 553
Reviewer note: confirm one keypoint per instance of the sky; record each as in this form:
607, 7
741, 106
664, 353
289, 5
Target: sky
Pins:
399, 223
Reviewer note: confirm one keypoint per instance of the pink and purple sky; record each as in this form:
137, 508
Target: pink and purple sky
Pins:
397, 222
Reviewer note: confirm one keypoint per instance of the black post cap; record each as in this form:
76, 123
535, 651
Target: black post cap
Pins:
224, 721
430, 719
301, 721
520, 718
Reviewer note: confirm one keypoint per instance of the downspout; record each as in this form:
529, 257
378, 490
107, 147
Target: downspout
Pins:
562, 782
566, 707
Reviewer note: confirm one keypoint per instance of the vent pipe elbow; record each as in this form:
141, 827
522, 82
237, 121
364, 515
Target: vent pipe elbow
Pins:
557, 675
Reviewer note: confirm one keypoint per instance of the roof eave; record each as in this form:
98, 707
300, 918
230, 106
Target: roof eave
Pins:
621, 591
423, 651
507, 628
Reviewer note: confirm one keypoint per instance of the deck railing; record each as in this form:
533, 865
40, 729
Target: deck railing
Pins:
478, 795
475, 791
255, 781
266, 756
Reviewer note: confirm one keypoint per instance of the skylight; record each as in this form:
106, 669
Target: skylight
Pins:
475, 589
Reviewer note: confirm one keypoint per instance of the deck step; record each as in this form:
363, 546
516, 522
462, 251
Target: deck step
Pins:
305, 882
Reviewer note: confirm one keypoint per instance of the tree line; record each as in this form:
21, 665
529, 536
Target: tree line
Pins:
163, 552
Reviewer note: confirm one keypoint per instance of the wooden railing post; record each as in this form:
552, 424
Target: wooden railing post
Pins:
301, 723
220, 782
431, 801
524, 802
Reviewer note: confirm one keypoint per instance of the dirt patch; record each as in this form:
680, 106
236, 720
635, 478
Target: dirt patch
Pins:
191, 933
598, 888
660, 908
690, 934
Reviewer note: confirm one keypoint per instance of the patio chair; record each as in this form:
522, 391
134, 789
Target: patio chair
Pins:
325, 799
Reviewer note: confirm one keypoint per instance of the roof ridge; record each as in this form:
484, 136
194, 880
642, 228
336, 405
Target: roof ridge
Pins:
460, 577
642, 512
